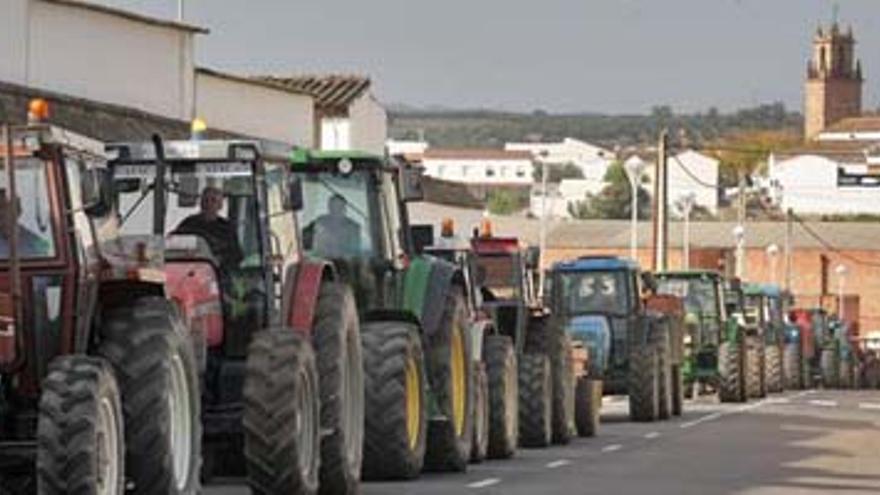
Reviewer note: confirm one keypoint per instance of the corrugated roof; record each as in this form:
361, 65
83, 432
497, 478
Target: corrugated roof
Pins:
132, 16
475, 154
333, 93
251, 80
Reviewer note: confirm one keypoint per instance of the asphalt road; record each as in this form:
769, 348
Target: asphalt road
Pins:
814, 442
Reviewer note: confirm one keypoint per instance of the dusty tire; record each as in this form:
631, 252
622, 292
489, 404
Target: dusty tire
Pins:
535, 401
774, 369
664, 393
563, 379
152, 358
677, 390
337, 343
80, 406
791, 367
395, 400
480, 444
830, 368
644, 384
754, 368
501, 367
730, 368
846, 374
588, 404
281, 414
450, 374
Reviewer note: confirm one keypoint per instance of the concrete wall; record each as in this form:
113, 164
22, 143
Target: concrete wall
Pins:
107, 58
369, 125
255, 110
13, 41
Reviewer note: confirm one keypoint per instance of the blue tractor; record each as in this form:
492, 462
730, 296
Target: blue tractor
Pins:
635, 344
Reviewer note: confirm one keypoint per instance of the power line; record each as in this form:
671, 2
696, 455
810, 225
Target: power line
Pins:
831, 247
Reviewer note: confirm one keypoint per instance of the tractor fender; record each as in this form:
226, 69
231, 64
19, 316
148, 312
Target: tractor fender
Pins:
427, 282
301, 290
593, 333
479, 329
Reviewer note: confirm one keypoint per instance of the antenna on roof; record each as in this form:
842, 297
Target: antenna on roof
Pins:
180, 10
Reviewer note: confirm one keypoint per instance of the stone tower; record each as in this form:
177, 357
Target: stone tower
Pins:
834, 81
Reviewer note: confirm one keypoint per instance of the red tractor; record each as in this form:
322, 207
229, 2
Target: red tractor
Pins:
98, 382
273, 330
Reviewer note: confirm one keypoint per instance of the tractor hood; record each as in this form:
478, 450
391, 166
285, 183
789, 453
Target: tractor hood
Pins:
594, 332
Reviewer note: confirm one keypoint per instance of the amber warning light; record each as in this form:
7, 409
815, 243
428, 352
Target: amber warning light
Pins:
38, 110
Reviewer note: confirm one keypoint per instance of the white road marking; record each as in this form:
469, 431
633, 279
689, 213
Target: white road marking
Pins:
823, 403
652, 435
778, 400
612, 447
484, 483
869, 405
559, 463
708, 417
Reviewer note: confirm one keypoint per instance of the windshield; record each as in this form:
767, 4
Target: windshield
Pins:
337, 216
699, 294
213, 201
594, 292
756, 310
498, 274
34, 225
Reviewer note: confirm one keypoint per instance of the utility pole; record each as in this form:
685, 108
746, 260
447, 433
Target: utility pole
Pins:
543, 233
741, 228
687, 205
661, 203
789, 230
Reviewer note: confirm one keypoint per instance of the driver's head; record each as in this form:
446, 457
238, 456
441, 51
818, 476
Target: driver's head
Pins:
336, 205
211, 202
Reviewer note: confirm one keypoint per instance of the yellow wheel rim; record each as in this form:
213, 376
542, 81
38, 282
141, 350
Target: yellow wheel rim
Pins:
459, 385
413, 402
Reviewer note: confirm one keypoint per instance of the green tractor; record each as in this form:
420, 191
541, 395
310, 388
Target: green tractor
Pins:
634, 343
715, 350
419, 381
765, 307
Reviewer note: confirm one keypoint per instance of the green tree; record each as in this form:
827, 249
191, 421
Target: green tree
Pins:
557, 172
502, 202
615, 199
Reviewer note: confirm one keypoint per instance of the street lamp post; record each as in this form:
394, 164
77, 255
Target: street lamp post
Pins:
772, 254
739, 235
687, 204
634, 170
841, 272
543, 234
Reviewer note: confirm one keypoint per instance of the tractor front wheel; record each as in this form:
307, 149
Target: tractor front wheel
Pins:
80, 439
730, 368
644, 383
828, 362
588, 403
774, 368
791, 367
480, 445
535, 401
501, 364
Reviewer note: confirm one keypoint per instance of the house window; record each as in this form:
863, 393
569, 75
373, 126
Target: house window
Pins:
464, 170
520, 172
490, 172
504, 172
441, 170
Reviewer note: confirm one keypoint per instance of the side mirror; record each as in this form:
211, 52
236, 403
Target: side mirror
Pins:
188, 191
97, 191
649, 281
422, 237
294, 195
411, 184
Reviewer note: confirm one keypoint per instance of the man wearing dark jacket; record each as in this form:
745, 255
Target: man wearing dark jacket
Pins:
217, 231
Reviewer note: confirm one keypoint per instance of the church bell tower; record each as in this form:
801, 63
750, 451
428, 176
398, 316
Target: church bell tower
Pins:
834, 81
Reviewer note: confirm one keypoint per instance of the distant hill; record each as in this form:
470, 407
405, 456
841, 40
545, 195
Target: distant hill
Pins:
491, 129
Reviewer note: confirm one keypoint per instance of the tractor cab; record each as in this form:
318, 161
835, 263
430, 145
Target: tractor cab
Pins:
706, 310
765, 309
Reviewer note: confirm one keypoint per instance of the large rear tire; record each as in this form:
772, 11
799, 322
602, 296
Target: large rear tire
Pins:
792, 368
644, 383
501, 364
341, 378
830, 368
480, 446
730, 369
80, 432
450, 374
395, 399
754, 369
664, 406
588, 403
774, 369
152, 357
282, 436
535, 401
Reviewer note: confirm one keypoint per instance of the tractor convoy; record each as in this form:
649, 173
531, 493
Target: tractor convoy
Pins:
177, 311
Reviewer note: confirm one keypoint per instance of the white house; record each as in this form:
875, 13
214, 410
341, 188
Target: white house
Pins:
403, 147
689, 173
347, 114
559, 197
479, 166
99, 53
592, 160
859, 129
255, 107
816, 182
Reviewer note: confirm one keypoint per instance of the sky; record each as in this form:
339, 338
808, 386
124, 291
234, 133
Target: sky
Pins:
561, 56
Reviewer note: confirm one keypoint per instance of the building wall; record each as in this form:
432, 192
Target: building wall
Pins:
369, 125
13, 41
816, 192
829, 101
255, 110
480, 171
335, 133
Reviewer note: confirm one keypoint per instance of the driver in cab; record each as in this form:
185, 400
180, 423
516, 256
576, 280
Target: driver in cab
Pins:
29, 243
219, 232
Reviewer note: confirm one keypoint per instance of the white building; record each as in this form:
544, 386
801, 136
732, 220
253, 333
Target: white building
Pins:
689, 173
817, 182
560, 197
479, 166
853, 129
347, 114
592, 160
403, 147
